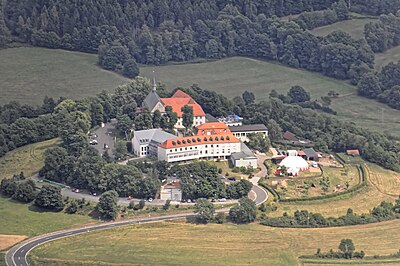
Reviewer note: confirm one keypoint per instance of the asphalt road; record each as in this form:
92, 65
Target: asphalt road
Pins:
17, 255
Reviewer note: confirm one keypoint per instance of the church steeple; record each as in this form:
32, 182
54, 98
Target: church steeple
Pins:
154, 81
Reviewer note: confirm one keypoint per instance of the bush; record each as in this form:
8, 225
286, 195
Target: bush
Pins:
167, 205
220, 218
50, 198
243, 213
205, 211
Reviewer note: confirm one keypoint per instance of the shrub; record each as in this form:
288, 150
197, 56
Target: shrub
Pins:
220, 218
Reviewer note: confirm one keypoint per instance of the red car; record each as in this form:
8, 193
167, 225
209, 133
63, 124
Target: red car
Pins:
130, 197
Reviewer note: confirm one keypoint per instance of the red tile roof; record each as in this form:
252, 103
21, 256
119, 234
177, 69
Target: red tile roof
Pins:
353, 152
213, 128
172, 184
197, 140
301, 153
180, 94
179, 100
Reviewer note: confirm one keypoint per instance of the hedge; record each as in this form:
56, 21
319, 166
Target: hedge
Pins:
270, 189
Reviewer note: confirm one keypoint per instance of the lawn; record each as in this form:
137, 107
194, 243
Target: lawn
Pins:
231, 76
24, 219
391, 55
28, 159
354, 27
28, 74
296, 187
178, 243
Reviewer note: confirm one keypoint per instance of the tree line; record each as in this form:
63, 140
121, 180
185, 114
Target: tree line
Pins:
384, 33
383, 85
310, 20
304, 219
127, 31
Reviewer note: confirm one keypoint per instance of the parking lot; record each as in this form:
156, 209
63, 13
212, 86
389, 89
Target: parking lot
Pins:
105, 136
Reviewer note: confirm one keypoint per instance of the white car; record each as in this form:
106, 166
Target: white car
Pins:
93, 142
150, 200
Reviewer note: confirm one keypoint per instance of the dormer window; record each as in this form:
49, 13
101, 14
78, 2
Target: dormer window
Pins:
205, 139
174, 143
184, 141
211, 139
227, 138
222, 138
198, 140
216, 138
189, 141
179, 142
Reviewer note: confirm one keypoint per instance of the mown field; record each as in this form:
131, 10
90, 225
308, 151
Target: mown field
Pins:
28, 159
29, 74
178, 243
354, 27
231, 76
391, 55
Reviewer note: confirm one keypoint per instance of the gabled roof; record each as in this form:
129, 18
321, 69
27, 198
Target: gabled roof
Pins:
151, 100
180, 94
212, 128
156, 135
310, 153
198, 140
353, 152
245, 153
243, 128
178, 103
210, 118
290, 136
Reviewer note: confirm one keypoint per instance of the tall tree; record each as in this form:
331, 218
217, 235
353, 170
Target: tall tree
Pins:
187, 116
108, 205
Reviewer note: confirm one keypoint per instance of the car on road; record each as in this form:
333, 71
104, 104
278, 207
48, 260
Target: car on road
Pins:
76, 190
222, 200
93, 142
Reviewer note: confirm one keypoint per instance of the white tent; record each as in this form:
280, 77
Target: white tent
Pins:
294, 165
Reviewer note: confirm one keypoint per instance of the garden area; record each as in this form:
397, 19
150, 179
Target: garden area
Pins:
328, 177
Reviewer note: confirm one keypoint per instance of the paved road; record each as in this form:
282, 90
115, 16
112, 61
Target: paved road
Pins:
17, 255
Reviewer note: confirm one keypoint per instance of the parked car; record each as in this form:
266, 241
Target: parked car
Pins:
189, 201
129, 197
150, 200
93, 142
231, 179
222, 200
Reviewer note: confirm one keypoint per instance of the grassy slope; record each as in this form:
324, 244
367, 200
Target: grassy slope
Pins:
28, 158
175, 243
23, 219
231, 76
391, 55
29, 74
354, 27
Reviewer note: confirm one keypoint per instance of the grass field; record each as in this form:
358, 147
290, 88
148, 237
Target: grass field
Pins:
28, 158
178, 243
354, 27
29, 74
231, 76
23, 219
391, 55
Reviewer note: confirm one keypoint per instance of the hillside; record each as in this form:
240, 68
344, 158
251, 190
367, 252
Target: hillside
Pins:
231, 76
29, 74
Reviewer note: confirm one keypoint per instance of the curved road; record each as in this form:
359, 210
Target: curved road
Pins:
17, 255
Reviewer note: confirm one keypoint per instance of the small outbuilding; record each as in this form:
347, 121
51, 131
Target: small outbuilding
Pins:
353, 153
171, 190
244, 158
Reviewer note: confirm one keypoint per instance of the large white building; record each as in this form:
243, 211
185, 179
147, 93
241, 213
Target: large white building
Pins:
146, 142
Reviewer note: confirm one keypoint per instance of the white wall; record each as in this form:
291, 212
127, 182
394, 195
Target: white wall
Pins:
243, 136
245, 163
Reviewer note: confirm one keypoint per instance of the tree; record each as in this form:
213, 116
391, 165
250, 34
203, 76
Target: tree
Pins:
243, 213
205, 211
107, 206
346, 246
298, 94
187, 116
131, 69
124, 125
369, 86
120, 150
25, 191
50, 198
220, 218
248, 97
167, 205
259, 141
157, 119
